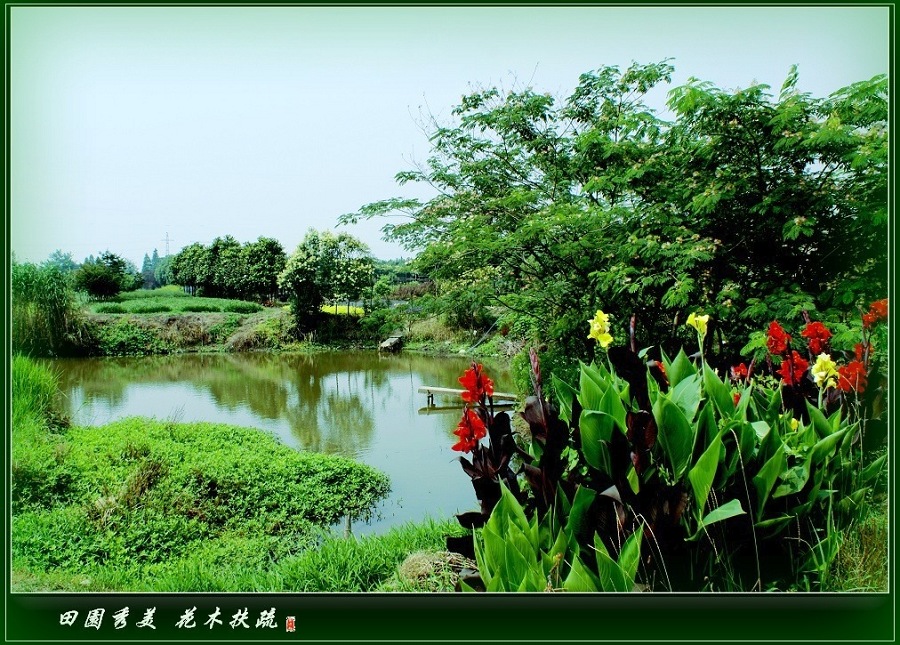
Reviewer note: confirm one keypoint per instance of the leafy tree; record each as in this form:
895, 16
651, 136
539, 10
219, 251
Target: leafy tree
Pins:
225, 268
186, 266
162, 271
263, 262
64, 262
323, 267
106, 276
746, 206
147, 274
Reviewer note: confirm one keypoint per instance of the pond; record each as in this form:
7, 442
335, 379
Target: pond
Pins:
357, 404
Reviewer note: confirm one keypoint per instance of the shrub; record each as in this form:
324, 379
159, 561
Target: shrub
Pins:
381, 323
220, 331
126, 337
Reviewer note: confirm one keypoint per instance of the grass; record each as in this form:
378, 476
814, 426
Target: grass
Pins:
168, 291
862, 561
145, 504
372, 563
170, 300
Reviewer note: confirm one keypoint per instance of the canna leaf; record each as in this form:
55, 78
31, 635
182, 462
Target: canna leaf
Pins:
766, 478
675, 436
724, 512
703, 473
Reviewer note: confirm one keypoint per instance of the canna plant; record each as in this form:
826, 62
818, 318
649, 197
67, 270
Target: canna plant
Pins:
664, 470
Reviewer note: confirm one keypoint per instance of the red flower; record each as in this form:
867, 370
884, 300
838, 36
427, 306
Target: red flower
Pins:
778, 340
852, 376
476, 384
739, 372
818, 336
878, 310
470, 429
880, 307
737, 398
862, 350
793, 368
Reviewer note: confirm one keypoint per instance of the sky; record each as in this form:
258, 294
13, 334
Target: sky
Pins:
133, 125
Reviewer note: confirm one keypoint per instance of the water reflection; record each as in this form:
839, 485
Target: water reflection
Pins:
357, 404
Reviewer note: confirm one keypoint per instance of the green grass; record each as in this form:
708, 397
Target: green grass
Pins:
34, 388
164, 300
239, 564
862, 561
142, 503
168, 291
364, 564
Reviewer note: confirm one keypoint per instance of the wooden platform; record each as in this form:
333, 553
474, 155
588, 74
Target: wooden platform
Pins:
449, 391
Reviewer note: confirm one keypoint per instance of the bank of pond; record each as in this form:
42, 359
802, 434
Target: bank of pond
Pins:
232, 472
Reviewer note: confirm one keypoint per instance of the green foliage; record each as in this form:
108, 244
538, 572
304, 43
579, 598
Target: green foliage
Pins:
522, 555
380, 323
749, 205
242, 307
227, 269
362, 564
198, 307
62, 262
149, 308
126, 338
110, 308
45, 316
38, 449
324, 267
104, 277
33, 388
141, 494
168, 291
754, 480
172, 300
220, 331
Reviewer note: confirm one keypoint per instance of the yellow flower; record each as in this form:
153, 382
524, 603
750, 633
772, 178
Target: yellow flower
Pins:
824, 371
600, 329
698, 322
794, 424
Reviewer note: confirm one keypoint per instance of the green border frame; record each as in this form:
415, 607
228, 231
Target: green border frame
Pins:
456, 617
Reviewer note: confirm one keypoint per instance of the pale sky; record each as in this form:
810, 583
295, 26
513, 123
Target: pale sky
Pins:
129, 124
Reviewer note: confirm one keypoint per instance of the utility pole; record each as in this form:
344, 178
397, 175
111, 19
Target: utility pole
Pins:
167, 240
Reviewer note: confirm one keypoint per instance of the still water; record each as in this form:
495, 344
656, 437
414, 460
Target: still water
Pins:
357, 404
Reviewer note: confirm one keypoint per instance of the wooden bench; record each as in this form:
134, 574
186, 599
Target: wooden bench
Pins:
431, 391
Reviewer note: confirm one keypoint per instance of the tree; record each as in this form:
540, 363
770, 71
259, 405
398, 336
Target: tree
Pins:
263, 261
226, 268
188, 264
147, 274
106, 276
162, 271
324, 266
745, 206
63, 262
